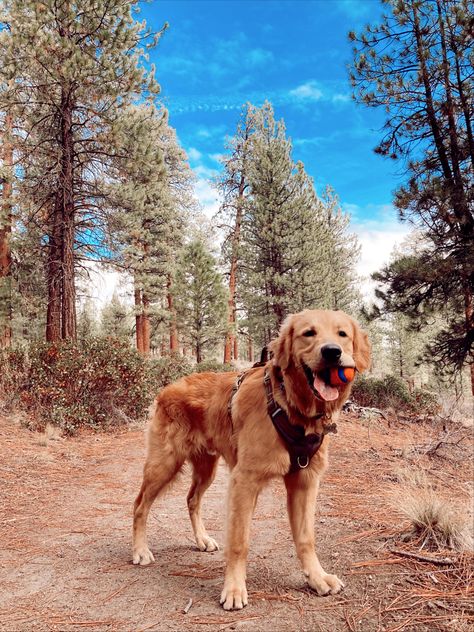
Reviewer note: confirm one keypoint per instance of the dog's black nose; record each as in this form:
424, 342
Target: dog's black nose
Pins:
331, 353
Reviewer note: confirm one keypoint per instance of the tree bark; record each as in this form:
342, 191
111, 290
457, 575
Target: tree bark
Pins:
231, 344
250, 349
146, 327
173, 327
236, 339
61, 315
469, 314
68, 320
53, 274
138, 320
5, 240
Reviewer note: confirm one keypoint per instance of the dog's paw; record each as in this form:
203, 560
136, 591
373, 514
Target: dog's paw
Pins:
207, 544
143, 556
326, 584
234, 596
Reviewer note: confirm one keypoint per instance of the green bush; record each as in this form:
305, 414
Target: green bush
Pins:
212, 366
98, 383
13, 373
387, 392
168, 369
426, 401
392, 392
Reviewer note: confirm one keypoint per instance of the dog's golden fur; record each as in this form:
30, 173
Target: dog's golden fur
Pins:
192, 423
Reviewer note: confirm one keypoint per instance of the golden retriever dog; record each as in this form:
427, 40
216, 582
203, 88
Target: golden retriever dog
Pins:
207, 415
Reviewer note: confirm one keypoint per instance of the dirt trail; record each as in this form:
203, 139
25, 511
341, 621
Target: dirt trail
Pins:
65, 526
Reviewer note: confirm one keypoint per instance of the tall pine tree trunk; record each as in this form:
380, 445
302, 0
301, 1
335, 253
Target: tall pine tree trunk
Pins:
146, 326
5, 240
469, 313
236, 340
250, 349
172, 312
138, 319
230, 335
61, 314
68, 316
53, 276
68, 307
231, 344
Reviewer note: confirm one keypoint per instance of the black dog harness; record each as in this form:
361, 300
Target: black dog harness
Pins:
301, 447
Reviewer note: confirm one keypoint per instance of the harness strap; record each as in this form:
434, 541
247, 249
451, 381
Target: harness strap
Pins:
242, 376
301, 447
235, 388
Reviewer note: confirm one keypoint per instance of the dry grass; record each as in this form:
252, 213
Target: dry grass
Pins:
51, 433
435, 522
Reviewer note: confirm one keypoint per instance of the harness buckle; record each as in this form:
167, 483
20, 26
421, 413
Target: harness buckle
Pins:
302, 467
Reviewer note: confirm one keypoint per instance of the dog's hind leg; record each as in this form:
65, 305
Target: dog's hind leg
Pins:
204, 472
158, 473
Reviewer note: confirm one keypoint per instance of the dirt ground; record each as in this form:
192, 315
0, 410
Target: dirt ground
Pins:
65, 533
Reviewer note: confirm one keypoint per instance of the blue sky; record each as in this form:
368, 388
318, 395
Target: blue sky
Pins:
218, 54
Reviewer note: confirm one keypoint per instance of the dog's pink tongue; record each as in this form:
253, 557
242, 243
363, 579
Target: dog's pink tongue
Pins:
327, 392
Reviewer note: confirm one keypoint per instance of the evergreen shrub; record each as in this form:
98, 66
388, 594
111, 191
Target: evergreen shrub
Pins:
212, 366
392, 392
168, 369
97, 383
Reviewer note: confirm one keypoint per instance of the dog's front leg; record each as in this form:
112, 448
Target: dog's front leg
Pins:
243, 493
302, 490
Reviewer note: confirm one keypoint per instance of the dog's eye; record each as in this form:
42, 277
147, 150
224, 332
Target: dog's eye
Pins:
309, 333
343, 334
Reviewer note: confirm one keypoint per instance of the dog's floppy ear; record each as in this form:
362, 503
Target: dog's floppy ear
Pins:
362, 349
282, 346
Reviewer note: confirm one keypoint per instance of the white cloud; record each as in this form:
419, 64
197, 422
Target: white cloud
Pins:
101, 284
340, 97
207, 196
309, 91
378, 237
194, 154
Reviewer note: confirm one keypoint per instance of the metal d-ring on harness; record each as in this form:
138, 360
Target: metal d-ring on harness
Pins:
301, 447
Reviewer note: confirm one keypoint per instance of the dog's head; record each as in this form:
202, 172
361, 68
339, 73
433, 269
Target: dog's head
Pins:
313, 341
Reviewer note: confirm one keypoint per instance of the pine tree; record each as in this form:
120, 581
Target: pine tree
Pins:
417, 65
343, 251
200, 299
149, 203
72, 71
29, 291
233, 185
87, 325
292, 243
116, 319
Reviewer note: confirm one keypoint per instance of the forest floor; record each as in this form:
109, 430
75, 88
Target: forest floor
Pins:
65, 527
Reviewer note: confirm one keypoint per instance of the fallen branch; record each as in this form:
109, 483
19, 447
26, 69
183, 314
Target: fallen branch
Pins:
352, 407
440, 561
433, 449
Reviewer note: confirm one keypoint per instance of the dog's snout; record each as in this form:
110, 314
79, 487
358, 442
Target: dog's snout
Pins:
331, 352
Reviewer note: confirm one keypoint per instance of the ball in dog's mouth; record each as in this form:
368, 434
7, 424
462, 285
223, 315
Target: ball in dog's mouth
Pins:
320, 383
